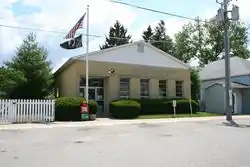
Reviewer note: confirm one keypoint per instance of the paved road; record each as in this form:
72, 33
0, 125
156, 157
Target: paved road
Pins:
181, 144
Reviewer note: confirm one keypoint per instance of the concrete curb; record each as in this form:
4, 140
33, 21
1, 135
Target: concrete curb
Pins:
108, 122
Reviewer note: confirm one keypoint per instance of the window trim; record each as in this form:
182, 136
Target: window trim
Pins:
148, 94
160, 88
127, 91
178, 94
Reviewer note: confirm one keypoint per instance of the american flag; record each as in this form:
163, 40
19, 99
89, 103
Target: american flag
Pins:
78, 25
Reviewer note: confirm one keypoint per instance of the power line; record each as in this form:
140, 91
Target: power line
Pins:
41, 30
24, 22
59, 32
53, 31
153, 10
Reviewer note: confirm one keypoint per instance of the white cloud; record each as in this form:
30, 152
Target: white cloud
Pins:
9, 38
60, 15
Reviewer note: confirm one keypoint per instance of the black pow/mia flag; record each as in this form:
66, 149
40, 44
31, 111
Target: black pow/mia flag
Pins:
72, 43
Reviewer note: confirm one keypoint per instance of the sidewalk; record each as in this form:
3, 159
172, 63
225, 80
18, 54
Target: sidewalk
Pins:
110, 122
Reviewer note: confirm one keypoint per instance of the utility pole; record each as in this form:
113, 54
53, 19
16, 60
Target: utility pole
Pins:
223, 20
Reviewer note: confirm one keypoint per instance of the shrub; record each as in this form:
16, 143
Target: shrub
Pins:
93, 107
164, 106
68, 108
152, 106
124, 109
183, 106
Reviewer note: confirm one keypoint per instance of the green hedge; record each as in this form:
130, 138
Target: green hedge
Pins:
164, 106
183, 106
124, 109
68, 108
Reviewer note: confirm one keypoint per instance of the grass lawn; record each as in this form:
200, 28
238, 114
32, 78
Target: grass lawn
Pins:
159, 116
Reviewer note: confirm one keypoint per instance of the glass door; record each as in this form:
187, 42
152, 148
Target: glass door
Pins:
92, 93
100, 101
99, 94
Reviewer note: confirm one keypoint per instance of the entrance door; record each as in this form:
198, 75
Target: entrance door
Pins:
92, 93
100, 101
97, 94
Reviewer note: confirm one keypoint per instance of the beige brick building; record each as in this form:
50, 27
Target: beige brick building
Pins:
139, 70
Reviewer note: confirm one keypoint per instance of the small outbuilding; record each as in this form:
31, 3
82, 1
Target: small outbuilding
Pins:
213, 86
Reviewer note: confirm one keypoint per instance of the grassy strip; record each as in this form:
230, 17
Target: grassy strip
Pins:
161, 116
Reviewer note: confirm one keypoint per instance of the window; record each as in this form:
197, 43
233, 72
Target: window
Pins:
82, 92
144, 88
94, 82
163, 88
124, 88
179, 88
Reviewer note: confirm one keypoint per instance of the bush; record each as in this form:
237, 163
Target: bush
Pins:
124, 109
152, 106
183, 106
68, 108
164, 106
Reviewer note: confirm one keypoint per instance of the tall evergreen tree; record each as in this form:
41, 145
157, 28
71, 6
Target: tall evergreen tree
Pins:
161, 40
118, 35
10, 79
31, 72
147, 35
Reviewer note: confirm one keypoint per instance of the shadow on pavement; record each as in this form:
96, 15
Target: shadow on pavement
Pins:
234, 124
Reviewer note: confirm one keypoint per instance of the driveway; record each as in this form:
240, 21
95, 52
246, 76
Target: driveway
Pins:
174, 144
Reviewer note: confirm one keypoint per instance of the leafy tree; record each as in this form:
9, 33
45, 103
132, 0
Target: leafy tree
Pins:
205, 41
148, 34
195, 84
185, 49
31, 74
117, 36
238, 36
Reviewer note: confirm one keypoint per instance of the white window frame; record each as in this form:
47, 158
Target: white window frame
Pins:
124, 91
161, 88
181, 85
147, 86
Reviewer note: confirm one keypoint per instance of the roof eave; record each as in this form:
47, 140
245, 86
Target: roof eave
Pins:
64, 66
208, 79
170, 56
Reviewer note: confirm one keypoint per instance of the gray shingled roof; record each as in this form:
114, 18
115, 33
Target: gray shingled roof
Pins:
216, 69
129, 54
233, 84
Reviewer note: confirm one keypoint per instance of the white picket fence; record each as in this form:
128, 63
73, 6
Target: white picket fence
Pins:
24, 111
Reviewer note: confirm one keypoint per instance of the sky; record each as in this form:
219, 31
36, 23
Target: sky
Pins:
60, 15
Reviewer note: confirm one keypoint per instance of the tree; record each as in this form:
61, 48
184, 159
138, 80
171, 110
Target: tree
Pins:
238, 36
148, 34
10, 79
161, 40
185, 49
205, 41
117, 36
195, 84
31, 72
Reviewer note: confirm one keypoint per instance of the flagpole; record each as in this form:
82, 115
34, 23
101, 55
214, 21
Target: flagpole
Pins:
87, 58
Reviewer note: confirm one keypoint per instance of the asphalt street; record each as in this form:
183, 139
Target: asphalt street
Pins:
181, 144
